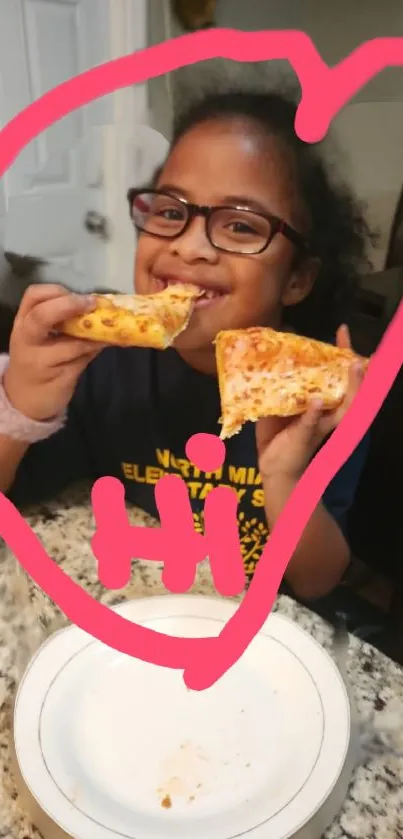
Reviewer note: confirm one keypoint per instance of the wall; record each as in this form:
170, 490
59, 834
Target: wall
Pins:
369, 131
372, 134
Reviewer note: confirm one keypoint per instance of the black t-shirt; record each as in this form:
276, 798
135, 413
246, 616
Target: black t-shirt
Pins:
131, 416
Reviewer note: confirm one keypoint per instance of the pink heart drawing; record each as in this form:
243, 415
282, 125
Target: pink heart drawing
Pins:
324, 91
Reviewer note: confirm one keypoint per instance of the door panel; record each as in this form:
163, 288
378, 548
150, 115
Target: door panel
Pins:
69, 169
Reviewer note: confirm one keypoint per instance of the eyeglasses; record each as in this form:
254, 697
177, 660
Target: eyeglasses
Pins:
229, 229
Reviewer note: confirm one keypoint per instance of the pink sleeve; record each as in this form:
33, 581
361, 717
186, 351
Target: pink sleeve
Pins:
15, 425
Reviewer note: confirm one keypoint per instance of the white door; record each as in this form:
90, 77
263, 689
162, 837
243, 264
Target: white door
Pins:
73, 177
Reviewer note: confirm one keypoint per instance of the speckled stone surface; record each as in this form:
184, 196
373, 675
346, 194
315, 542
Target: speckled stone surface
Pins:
374, 807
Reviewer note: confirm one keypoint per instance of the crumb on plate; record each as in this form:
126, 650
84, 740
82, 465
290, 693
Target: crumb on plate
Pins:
166, 802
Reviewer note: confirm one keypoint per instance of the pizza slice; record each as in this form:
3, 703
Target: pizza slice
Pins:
136, 320
262, 372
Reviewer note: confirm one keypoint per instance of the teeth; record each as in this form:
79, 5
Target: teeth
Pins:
207, 293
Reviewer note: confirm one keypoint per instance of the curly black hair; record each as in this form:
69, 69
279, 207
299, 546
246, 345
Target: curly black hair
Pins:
339, 232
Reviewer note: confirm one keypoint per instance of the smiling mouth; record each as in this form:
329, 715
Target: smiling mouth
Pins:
208, 294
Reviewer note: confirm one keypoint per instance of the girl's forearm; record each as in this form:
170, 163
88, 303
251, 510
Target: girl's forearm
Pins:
322, 554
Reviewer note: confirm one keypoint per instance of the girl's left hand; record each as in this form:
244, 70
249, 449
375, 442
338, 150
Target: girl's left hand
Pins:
285, 446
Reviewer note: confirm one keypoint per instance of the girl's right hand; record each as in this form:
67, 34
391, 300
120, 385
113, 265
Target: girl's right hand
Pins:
44, 366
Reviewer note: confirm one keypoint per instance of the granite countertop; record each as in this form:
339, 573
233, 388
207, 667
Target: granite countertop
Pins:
374, 807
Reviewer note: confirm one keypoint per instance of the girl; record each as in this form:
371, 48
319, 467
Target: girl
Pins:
242, 208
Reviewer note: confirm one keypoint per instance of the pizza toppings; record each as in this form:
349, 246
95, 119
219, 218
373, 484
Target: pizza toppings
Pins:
264, 373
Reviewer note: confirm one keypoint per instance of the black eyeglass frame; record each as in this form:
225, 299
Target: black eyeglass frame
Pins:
278, 225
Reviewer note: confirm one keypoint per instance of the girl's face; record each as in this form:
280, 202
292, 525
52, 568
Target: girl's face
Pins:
228, 162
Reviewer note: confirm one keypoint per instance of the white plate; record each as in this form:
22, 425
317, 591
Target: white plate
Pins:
101, 739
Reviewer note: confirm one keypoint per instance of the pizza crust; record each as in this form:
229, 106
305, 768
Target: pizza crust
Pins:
136, 320
264, 373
